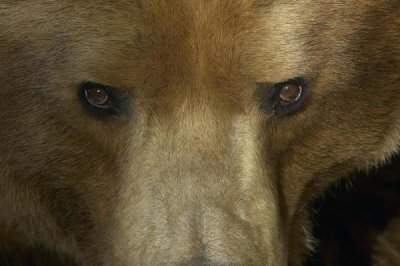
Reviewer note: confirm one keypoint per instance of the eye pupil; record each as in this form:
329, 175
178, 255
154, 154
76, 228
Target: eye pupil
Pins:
290, 93
97, 96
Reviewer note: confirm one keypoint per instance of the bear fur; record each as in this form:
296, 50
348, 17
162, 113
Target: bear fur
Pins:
197, 159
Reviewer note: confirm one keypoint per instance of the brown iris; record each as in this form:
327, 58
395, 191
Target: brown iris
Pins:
98, 97
290, 93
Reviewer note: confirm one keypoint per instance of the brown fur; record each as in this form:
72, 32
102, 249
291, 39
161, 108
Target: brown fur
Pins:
194, 171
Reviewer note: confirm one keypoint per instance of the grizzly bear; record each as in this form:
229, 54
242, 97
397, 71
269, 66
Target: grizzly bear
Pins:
202, 132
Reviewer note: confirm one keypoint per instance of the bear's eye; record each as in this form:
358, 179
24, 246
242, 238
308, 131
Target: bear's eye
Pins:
284, 97
98, 97
290, 93
101, 99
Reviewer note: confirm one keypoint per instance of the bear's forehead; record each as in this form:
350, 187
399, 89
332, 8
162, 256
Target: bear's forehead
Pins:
221, 47
215, 45
161, 47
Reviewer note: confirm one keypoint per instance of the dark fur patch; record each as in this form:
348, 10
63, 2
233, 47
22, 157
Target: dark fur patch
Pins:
348, 219
34, 256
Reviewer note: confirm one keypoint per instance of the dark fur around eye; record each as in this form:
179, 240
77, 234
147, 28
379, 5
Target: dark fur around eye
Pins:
268, 95
117, 101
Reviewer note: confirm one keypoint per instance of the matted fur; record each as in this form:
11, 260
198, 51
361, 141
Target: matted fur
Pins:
194, 171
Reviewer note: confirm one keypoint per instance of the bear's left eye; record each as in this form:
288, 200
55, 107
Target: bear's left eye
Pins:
101, 99
284, 97
290, 93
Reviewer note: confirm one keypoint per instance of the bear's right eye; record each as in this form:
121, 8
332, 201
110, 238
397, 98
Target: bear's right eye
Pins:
101, 99
98, 97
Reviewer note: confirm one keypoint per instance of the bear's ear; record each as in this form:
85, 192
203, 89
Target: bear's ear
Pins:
282, 98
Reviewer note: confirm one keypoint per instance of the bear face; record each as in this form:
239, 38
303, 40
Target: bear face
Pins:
187, 132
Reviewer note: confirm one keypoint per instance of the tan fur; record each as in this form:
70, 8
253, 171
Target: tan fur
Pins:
196, 171
387, 247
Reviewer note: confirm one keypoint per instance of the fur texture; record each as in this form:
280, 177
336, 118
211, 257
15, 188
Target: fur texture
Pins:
192, 171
